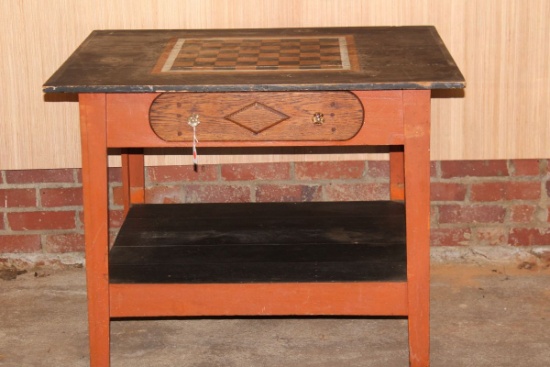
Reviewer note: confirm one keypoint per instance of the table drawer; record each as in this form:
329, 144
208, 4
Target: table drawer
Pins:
257, 116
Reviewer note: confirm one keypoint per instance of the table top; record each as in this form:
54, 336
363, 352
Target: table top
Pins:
361, 58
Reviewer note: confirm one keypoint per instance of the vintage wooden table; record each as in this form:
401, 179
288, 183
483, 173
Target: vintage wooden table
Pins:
258, 88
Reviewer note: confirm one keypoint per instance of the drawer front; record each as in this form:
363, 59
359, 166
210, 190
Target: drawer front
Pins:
257, 116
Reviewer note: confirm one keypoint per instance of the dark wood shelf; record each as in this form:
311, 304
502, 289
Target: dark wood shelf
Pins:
261, 242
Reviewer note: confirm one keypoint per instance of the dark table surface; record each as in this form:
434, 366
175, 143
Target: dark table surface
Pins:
367, 58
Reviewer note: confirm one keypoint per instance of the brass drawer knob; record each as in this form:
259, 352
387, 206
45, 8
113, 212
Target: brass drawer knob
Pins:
193, 120
318, 118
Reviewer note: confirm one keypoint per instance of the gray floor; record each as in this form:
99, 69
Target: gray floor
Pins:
481, 316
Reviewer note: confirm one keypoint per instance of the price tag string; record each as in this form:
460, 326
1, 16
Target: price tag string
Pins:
194, 121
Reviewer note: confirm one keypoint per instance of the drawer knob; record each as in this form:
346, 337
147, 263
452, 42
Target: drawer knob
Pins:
193, 120
318, 118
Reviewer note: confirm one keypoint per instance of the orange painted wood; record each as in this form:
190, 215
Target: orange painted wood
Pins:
353, 298
383, 112
257, 116
133, 177
128, 123
95, 183
397, 173
416, 109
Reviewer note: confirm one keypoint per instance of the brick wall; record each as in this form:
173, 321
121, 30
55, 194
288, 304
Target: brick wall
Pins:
474, 203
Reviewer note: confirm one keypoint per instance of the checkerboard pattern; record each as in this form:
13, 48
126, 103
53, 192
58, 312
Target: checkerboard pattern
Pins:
257, 54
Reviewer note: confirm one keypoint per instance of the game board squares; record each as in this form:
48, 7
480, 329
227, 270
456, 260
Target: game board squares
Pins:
270, 50
289, 41
192, 44
269, 56
263, 63
249, 54
181, 65
270, 42
246, 61
205, 58
221, 64
290, 54
330, 54
331, 49
289, 59
238, 53
309, 55
310, 48
250, 48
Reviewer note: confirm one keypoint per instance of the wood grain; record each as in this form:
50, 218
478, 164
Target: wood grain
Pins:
261, 116
501, 46
129, 127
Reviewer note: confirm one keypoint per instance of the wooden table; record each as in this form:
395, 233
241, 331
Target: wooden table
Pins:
258, 88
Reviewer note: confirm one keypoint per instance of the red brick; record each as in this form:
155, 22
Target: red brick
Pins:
66, 242
494, 191
329, 170
118, 196
184, 173
40, 176
112, 238
41, 220
256, 171
440, 191
116, 218
378, 169
55, 197
523, 190
2, 225
115, 174
548, 188
522, 213
450, 236
491, 236
450, 169
17, 198
165, 195
288, 193
471, 214
433, 169
529, 237
80, 220
197, 194
354, 192
526, 167
217, 194
20, 243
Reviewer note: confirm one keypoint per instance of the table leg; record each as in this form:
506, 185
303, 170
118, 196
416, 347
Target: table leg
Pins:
95, 190
397, 171
416, 106
133, 177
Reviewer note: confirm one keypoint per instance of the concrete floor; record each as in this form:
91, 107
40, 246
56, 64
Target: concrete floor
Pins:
481, 316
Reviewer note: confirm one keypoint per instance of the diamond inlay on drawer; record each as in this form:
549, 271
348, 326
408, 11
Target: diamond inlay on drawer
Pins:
257, 117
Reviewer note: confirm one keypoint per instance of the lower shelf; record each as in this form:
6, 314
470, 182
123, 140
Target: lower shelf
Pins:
261, 243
